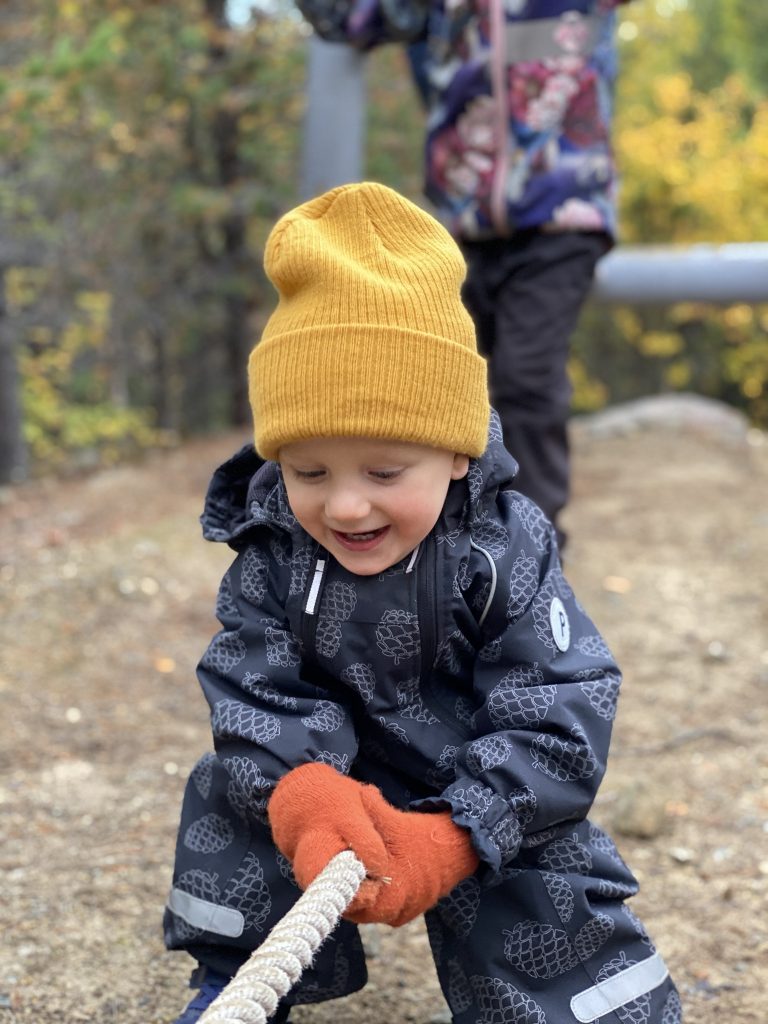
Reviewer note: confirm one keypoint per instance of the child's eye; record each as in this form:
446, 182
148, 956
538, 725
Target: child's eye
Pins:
308, 474
385, 474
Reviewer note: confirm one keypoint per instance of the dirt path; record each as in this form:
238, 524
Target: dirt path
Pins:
107, 595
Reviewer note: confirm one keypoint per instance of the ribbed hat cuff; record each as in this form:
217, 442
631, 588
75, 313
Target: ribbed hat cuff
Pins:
361, 380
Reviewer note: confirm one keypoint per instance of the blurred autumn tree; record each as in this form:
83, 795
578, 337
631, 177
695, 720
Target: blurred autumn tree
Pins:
146, 149
691, 142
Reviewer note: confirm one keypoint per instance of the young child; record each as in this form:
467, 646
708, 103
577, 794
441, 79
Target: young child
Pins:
402, 668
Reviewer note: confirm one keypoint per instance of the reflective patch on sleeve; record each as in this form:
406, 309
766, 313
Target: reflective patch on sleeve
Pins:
619, 989
208, 916
560, 624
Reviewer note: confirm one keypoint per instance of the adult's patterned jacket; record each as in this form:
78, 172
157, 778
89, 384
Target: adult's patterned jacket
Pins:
465, 677
520, 115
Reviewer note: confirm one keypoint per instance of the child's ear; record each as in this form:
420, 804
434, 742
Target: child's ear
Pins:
460, 466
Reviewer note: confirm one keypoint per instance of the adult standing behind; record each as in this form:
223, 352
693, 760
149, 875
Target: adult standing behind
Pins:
519, 163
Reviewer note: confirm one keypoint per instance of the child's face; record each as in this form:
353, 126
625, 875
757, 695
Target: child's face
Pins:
368, 502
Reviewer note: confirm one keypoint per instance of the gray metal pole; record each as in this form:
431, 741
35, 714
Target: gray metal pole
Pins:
334, 122
720, 274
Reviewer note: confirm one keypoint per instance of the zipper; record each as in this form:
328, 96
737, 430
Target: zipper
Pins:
427, 615
426, 609
311, 604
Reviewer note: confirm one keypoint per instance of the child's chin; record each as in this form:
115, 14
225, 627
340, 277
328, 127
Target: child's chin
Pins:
363, 566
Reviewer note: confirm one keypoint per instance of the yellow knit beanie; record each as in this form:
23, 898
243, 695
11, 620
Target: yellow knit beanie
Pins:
370, 337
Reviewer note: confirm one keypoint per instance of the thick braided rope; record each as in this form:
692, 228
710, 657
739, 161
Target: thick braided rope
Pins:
274, 968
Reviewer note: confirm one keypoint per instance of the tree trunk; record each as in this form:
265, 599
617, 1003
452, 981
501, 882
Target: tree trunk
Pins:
236, 262
13, 461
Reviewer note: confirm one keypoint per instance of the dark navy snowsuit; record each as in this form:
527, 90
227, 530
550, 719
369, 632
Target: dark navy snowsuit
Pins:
465, 677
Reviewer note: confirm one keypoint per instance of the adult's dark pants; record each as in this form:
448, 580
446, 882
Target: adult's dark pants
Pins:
525, 294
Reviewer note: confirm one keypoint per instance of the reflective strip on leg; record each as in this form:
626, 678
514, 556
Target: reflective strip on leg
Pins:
208, 916
629, 984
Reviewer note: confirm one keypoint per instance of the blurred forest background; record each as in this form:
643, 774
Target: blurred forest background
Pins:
146, 149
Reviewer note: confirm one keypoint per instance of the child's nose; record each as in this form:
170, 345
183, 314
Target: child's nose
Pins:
346, 506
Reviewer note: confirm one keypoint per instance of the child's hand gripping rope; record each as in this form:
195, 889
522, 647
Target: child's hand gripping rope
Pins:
349, 849
412, 858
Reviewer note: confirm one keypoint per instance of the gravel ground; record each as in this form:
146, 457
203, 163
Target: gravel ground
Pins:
107, 597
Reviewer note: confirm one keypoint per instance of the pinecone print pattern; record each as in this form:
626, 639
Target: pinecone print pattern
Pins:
532, 520
489, 535
337, 605
561, 894
639, 1010
446, 657
615, 890
480, 599
491, 653
463, 579
202, 775
601, 841
523, 802
328, 638
495, 431
540, 609
519, 700
280, 548
436, 935
248, 892
458, 910
566, 857
410, 704
326, 717
593, 647
285, 868
224, 653
539, 950
209, 834
505, 836
282, 649
488, 752
603, 695
253, 576
444, 767
248, 791
523, 581
361, 678
202, 885
396, 730
259, 686
593, 936
475, 800
542, 951
501, 1003
639, 927
397, 635
300, 565
226, 609
673, 1011
564, 760
459, 991
232, 718
474, 481
463, 710
338, 761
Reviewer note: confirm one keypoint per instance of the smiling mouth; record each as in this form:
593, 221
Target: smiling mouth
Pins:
362, 541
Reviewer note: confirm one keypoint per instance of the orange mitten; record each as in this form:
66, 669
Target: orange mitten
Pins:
316, 812
428, 856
